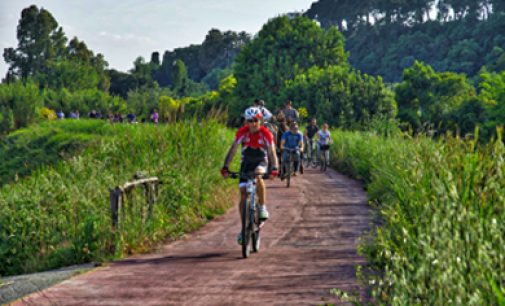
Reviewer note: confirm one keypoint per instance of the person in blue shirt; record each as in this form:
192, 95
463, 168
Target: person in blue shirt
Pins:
60, 115
292, 139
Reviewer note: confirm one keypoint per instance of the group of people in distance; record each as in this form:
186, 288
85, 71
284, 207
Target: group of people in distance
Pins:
265, 136
72, 115
112, 117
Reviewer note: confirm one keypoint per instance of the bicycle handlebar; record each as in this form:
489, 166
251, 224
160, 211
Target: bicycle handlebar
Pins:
236, 175
233, 175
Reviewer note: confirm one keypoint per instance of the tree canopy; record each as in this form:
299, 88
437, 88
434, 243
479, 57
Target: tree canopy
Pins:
284, 48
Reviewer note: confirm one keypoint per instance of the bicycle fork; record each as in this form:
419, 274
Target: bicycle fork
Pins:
251, 190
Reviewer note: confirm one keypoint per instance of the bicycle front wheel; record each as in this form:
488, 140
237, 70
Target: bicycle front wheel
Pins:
246, 233
255, 237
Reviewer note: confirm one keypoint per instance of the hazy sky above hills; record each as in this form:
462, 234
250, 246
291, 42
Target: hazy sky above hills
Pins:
123, 30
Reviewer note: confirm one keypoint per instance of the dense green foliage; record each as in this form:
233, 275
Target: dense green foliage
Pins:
21, 104
60, 214
441, 205
295, 59
386, 36
340, 96
446, 101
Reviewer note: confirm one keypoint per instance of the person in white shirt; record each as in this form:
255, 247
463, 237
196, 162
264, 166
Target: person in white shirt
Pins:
267, 115
323, 140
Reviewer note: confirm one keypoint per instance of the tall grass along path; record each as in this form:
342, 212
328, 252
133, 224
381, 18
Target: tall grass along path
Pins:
308, 247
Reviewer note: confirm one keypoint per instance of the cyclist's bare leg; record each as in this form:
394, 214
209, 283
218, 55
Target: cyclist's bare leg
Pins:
261, 190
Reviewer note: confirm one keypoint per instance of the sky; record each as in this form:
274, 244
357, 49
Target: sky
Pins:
122, 30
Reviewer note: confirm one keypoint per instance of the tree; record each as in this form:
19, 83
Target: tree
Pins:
71, 75
179, 77
121, 83
283, 49
6, 119
155, 58
340, 96
40, 40
427, 97
20, 103
142, 72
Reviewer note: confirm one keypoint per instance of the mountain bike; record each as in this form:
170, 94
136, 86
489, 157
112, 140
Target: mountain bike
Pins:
310, 157
251, 223
288, 166
324, 158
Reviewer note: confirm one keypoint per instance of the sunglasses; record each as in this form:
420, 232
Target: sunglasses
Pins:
253, 120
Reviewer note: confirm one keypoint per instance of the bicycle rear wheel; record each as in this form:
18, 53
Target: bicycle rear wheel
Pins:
246, 234
289, 170
313, 161
308, 158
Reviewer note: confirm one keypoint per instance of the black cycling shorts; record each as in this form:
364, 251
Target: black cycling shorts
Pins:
251, 159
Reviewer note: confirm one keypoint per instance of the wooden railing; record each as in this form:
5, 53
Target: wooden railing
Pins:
119, 194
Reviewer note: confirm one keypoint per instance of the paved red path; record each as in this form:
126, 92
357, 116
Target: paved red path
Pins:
308, 247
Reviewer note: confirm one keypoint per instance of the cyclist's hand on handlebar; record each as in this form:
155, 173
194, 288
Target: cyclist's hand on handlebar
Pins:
274, 172
224, 172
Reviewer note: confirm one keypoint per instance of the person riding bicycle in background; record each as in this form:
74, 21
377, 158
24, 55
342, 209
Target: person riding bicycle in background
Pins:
323, 140
310, 131
267, 115
257, 145
290, 113
293, 140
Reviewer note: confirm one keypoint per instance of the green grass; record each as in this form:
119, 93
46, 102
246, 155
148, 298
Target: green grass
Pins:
60, 214
23, 151
441, 203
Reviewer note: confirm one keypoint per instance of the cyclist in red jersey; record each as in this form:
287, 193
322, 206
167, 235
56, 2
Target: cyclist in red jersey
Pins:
257, 145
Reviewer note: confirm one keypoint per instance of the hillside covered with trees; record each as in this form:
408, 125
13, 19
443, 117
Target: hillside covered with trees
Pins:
384, 37
202, 66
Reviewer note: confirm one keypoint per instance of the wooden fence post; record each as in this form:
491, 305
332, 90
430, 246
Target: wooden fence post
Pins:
117, 202
113, 208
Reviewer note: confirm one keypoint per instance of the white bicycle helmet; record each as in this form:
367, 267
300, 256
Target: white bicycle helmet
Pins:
252, 112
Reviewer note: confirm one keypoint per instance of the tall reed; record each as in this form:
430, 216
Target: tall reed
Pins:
441, 203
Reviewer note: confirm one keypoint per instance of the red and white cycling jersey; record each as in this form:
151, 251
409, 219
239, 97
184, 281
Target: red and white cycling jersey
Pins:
259, 140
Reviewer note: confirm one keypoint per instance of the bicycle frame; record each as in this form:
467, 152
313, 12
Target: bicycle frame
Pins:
250, 229
289, 168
